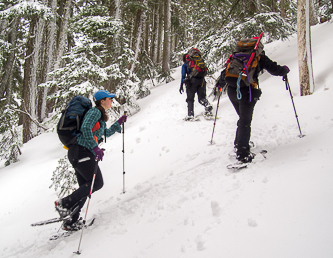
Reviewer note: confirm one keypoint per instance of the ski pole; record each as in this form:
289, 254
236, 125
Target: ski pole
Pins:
285, 78
123, 125
218, 103
85, 216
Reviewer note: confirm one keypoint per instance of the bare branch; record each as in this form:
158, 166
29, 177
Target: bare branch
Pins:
33, 120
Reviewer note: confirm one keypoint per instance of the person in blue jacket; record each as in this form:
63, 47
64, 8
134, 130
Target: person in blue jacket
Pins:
84, 155
193, 85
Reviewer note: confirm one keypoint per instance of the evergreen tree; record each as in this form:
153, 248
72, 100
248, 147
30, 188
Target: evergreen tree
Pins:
324, 9
85, 70
63, 178
218, 46
14, 26
10, 134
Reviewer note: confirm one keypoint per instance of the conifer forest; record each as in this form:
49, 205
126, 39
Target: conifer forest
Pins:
51, 50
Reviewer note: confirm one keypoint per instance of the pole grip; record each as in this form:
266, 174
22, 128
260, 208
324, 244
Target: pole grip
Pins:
123, 124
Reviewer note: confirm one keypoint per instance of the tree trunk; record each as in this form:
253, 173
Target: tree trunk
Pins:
141, 28
118, 9
304, 50
160, 31
175, 35
155, 46
146, 36
7, 70
313, 14
113, 44
31, 71
166, 43
136, 27
251, 7
50, 51
118, 13
282, 9
61, 43
258, 3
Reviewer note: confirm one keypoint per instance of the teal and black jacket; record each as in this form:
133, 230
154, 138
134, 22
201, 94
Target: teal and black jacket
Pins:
87, 138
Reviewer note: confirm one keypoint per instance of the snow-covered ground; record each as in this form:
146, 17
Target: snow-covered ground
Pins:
180, 199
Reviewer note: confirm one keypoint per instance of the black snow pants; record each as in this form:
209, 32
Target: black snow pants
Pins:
196, 85
84, 164
244, 109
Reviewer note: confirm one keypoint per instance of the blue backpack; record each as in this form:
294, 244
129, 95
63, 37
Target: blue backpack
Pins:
69, 125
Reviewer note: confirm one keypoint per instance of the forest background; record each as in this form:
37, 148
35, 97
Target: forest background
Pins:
51, 50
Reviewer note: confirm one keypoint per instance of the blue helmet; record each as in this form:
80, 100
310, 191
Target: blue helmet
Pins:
103, 94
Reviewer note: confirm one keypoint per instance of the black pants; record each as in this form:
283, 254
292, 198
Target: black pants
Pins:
196, 85
244, 109
84, 172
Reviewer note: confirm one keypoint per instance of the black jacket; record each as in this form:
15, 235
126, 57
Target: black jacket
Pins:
264, 63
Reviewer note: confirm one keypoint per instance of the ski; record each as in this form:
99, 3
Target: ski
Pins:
67, 233
238, 165
49, 221
60, 235
45, 222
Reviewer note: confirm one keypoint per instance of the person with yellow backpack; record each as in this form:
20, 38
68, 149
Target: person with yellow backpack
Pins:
84, 155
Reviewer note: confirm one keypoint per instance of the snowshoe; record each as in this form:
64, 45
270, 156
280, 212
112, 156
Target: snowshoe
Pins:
246, 158
208, 115
191, 118
77, 225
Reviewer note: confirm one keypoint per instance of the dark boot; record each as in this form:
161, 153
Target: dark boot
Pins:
208, 110
207, 105
63, 212
244, 155
73, 226
190, 109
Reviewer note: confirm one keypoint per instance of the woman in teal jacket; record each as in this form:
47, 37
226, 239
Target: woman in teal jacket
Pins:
84, 155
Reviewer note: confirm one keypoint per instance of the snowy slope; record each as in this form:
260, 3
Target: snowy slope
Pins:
180, 199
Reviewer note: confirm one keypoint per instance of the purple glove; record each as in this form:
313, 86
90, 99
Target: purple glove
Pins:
287, 69
98, 153
122, 119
